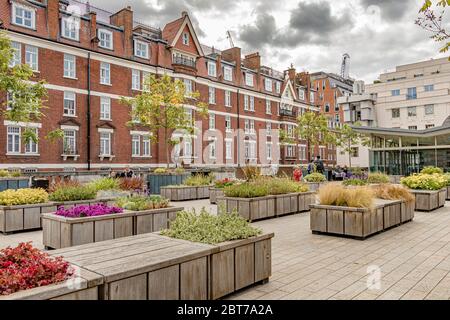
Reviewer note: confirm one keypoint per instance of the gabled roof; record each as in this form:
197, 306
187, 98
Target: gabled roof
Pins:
288, 84
173, 30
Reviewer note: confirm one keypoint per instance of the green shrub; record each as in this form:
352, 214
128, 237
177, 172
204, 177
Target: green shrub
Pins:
378, 177
447, 178
197, 180
16, 174
104, 184
247, 190
141, 203
354, 182
160, 170
251, 173
425, 181
73, 194
283, 186
179, 170
209, 229
4, 173
315, 177
23, 196
432, 170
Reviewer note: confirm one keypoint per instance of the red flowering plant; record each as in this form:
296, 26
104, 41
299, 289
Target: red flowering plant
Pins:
25, 267
220, 184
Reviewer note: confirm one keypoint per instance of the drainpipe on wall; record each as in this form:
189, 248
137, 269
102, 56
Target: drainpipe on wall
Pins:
239, 131
89, 112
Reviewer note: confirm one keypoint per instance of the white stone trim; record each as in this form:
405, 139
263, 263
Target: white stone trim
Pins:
23, 124
76, 128
141, 133
105, 130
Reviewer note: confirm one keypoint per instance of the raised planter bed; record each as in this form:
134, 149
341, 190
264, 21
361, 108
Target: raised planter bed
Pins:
428, 200
359, 222
183, 193
293, 202
314, 186
153, 267
252, 209
156, 181
84, 286
14, 183
448, 193
61, 232
28, 217
215, 193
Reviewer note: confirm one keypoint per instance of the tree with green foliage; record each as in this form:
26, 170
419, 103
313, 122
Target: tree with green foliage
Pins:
25, 101
434, 22
347, 137
160, 106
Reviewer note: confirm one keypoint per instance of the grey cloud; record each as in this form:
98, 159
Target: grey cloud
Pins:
391, 10
263, 32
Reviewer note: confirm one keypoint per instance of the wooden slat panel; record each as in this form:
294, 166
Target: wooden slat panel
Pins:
51, 233
335, 221
164, 284
144, 224
14, 220
318, 220
104, 230
134, 288
194, 280
263, 260
222, 269
82, 233
245, 266
123, 227
31, 218
353, 223
87, 294
160, 221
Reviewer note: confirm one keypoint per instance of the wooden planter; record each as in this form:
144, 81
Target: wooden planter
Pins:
314, 186
28, 217
448, 193
184, 193
252, 209
428, 200
358, 222
14, 183
215, 193
84, 286
293, 202
156, 181
61, 232
154, 267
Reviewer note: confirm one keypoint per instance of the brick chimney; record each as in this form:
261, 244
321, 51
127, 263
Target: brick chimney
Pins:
53, 19
93, 29
124, 19
253, 61
291, 73
234, 55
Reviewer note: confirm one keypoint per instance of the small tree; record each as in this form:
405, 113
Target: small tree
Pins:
26, 99
161, 107
347, 137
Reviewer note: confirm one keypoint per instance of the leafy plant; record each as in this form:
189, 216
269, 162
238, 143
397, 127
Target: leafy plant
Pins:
247, 190
131, 184
104, 184
179, 170
199, 180
278, 186
424, 181
337, 195
16, 174
354, 182
378, 177
87, 211
315, 177
251, 173
160, 170
73, 194
25, 267
220, 184
4, 173
210, 229
23, 196
63, 184
393, 192
141, 203
431, 170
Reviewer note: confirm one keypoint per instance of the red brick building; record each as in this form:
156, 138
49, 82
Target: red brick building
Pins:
327, 88
92, 59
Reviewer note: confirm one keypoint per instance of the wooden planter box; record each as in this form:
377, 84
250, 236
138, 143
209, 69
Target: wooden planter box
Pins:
215, 193
14, 183
252, 209
61, 232
153, 267
448, 193
156, 181
428, 200
184, 193
293, 202
84, 286
28, 217
314, 186
357, 222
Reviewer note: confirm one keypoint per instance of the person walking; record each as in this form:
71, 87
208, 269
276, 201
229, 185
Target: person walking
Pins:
319, 165
311, 168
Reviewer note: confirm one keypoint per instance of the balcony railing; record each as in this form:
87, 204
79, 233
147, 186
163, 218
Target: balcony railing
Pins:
287, 112
184, 62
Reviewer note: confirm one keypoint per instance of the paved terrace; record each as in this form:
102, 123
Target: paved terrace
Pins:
414, 260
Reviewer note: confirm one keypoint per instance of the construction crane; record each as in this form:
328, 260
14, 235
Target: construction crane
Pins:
345, 68
230, 38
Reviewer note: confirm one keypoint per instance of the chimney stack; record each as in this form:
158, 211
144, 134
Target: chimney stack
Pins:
124, 19
93, 29
53, 18
234, 55
253, 61
291, 72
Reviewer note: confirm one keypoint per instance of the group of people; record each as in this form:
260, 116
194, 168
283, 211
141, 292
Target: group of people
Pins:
126, 173
340, 173
316, 166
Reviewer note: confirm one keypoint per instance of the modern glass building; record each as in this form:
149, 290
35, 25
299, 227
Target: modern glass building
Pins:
403, 152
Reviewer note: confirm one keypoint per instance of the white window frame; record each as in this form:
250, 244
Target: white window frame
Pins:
32, 18
249, 79
105, 143
268, 84
426, 108
70, 28
212, 121
70, 66
146, 146
252, 103
188, 86
17, 56
105, 73
213, 149
269, 150
268, 128
105, 108
135, 79
268, 106
212, 69
70, 96
278, 87
227, 98
16, 138
228, 149
32, 147
228, 125
135, 145
105, 32
246, 102
301, 94
252, 126
138, 51
185, 38
32, 57
212, 95
72, 139
228, 73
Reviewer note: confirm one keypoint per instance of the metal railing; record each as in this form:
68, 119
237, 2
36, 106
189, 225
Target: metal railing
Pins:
184, 61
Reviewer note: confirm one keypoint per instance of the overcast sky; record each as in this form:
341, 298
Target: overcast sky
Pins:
312, 34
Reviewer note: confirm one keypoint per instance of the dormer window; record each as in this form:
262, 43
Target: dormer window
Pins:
141, 49
249, 79
228, 73
301, 94
268, 84
70, 28
106, 39
24, 16
212, 69
278, 87
185, 38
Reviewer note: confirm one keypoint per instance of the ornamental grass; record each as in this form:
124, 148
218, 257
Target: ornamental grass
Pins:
334, 194
393, 192
210, 229
104, 184
198, 180
142, 203
354, 182
23, 196
378, 177
73, 194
